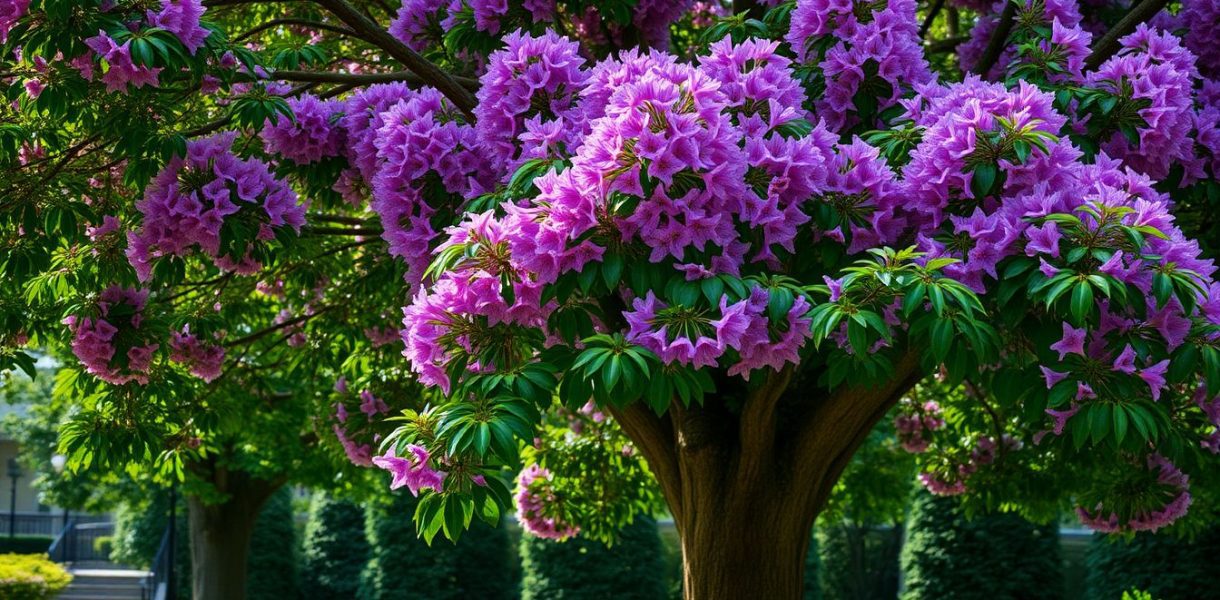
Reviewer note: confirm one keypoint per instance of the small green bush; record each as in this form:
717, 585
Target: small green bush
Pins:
31, 577
25, 544
271, 565
992, 557
579, 569
1161, 564
103, 545
335, 549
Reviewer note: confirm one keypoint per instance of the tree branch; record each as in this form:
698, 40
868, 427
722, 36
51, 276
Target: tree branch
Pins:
428, 72
301, 22
933, 11
364, 78
999, 39
654, 436
1109, 44
828, 436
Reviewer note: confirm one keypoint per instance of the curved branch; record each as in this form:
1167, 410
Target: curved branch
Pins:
999, 39
1109, 44
364, 78
933, 11
302, 22
428, 72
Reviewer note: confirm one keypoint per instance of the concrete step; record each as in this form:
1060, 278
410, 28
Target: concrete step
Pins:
105, 584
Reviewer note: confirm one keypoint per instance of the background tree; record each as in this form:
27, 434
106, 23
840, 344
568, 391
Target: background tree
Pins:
1164, 565
579, 569
951, 554
745, 251
335, 549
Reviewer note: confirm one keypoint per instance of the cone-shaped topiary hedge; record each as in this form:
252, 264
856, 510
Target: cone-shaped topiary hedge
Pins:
335, 549
857, 562
402, 566
580, 569
992, 557
1167, 566
272, 563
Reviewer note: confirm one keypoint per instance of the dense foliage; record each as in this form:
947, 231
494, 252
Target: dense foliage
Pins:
335, 550
631, 568
403, 566
31, 577
1165, 566
232, 221
949, 554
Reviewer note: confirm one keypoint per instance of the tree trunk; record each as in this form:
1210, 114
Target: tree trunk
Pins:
746, 474
758, 554
220, 534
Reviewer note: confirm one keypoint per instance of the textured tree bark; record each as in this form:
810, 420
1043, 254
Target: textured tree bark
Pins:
220, 534
746, 473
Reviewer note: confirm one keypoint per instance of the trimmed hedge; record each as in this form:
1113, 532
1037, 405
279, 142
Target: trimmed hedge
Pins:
25, 544
993, 557
579, 569
403, 566
858, 563
31, 577
335, 549
271, 565
1165, 566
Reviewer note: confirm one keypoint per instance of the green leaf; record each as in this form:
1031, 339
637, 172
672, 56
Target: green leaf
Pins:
982, 179
1082, 302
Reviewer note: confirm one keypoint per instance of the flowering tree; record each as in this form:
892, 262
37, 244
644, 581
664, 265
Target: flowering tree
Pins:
738, 236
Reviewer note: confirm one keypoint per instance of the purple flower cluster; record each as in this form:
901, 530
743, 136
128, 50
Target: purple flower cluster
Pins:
915, 423
417, 22
532, 84
1063, 15
535, 497
362, 118
757, 83
112, 345
188, 203
413, 470
876, 51
181, 18
427, 161
1152, 67
311, 135
120, 71
204, 360
1165, 498
10, 12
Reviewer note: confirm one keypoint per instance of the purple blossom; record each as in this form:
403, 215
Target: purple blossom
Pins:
1154, 376
412, 471
121, 70
115, 330
1072, 342
181, 18
189, 201
533, 77
10, 12
417, 21
536, 505
204, 360
1125, 363
310, 135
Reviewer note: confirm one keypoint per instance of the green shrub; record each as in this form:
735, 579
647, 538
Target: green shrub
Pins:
858, 562
579, 569
25, 544
402, 566
103, 545
271, 565
31, 577
992, 557
335, 549
1161, 564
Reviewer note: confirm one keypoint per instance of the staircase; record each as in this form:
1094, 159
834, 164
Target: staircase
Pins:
104, 584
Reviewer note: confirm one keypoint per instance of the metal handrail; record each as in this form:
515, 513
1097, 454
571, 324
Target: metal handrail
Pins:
58, 551
158, 572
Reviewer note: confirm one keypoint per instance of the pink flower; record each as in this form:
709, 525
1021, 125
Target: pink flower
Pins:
412, 471
1125, 363
1154, 376
1072, 342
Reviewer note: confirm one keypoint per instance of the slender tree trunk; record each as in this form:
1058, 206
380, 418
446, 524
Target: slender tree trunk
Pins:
746, 473
220, 534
